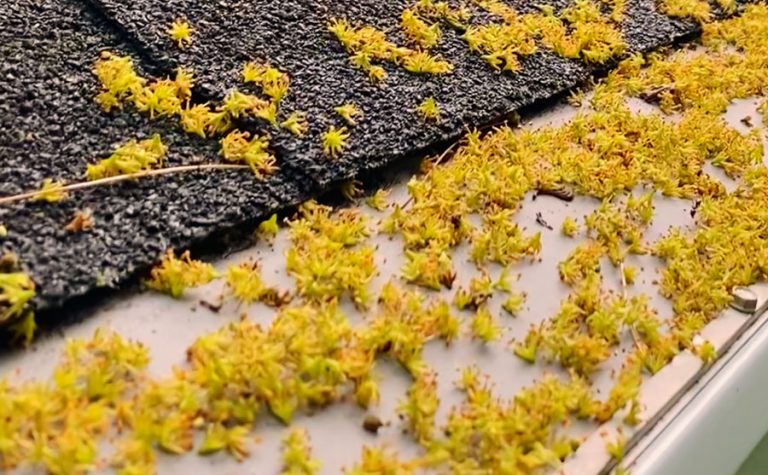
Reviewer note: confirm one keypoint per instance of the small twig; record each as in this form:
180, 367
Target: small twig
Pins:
561, 193
126, 177
437, 162
637, 340
632, 330
623, 280
542, 222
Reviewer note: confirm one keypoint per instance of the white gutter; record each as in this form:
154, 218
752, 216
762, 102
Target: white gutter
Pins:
714, 428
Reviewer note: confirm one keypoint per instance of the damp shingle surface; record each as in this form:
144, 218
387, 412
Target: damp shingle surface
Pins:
50, 126
293, 35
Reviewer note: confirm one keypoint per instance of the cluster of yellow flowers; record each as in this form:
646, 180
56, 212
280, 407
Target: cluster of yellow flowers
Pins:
580, 31
130, 157
730, 65
429, 109
382, 460
366, 44
121, 83
247, 286
172, 98
726, 250
606, 153
303, 360
234, 373
57, 425
173, 275
297, 459
490, 435
273, 82
181, 32
404, 325
431, 268
698, 10
326, 259
501, 44
17, 290
581, 335
238, 147
311, 355
418, 31
51, 191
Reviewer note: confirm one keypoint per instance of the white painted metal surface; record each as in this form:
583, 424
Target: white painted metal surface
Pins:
714, 427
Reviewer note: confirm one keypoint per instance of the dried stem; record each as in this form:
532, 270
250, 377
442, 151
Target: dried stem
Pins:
126, 177
623, 280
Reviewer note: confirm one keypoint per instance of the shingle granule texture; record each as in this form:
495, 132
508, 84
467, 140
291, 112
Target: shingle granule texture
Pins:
50, 127
293, 35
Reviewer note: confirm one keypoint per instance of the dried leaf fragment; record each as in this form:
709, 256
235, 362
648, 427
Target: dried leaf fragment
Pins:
82, 221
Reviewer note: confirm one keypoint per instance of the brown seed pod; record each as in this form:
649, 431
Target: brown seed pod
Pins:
372, 424
560, 193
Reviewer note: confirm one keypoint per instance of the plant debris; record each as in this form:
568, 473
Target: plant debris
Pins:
542, 222
311, 355
372, 424
81, 221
